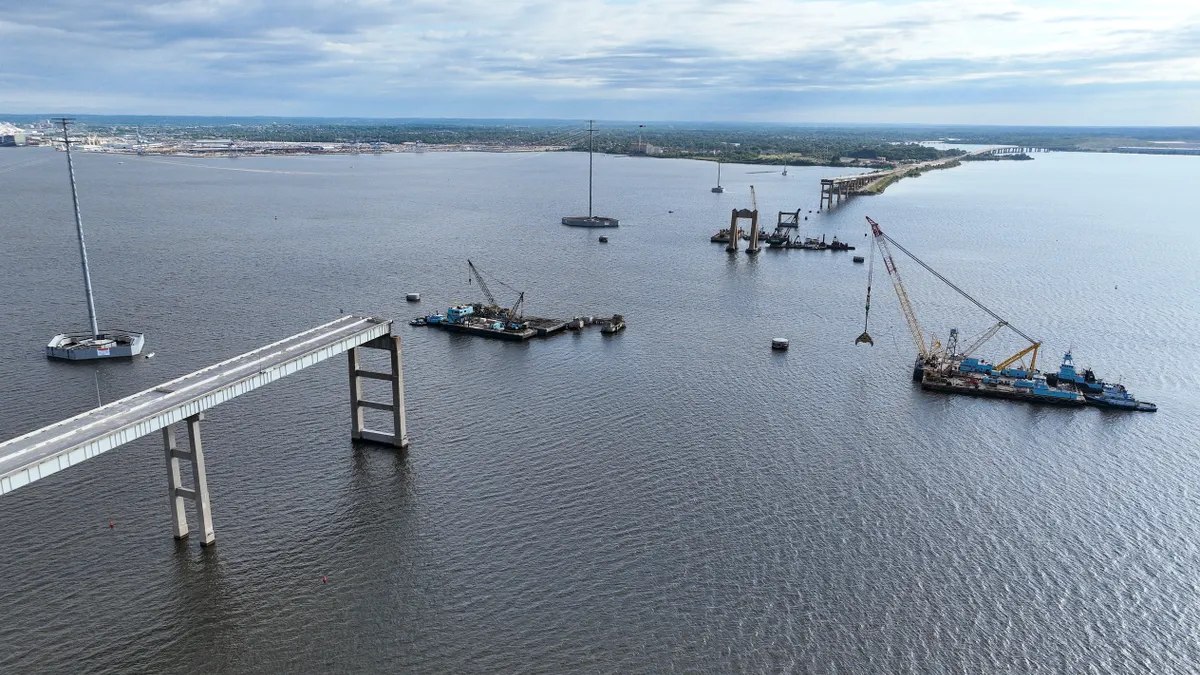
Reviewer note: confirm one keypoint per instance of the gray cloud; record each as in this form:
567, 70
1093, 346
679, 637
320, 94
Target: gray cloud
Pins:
359, 57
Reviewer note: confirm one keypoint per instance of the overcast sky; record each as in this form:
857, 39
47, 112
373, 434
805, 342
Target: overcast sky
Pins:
1090, 62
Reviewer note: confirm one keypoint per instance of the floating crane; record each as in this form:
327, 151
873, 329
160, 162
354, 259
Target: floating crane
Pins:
933, 353
487, 293
512, 316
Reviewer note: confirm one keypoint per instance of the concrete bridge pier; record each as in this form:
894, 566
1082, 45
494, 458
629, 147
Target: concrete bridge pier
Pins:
753, 248
358, 431
198, 493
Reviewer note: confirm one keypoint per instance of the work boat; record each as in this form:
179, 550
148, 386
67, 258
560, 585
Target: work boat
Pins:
1115, 396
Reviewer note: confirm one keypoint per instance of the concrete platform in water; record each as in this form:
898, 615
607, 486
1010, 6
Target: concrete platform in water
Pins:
86, 346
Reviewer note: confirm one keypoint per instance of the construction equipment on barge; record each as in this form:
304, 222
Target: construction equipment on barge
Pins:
953, 370
490, 319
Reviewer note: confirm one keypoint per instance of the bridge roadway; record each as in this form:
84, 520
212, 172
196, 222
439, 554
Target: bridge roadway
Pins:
840, 187
51, 449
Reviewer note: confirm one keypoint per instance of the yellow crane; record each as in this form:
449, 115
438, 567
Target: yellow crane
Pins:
910, 315
934, 352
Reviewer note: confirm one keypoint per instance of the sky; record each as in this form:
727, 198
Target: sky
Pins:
1046, 62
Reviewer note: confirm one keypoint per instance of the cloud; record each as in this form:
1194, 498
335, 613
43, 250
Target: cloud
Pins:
657, 59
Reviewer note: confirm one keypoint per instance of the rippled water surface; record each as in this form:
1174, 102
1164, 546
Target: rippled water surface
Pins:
674, 498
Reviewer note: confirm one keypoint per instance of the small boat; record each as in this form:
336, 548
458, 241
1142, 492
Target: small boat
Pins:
721, 237
413, 297
780, 344
419, 321
859, 259
603, 240
613, 325
1115, 396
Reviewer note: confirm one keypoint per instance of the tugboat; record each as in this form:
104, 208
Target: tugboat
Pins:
1087, 382
778, 239
613, 325
836, 245
1115, 396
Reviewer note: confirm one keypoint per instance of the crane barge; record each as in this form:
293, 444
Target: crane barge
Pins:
947, 368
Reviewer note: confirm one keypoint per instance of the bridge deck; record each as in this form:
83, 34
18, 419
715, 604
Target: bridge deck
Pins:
48, 450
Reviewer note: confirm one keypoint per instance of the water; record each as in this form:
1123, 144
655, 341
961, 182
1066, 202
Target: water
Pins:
674, 498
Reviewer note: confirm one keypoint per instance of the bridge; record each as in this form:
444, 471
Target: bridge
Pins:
64, 444
834, 190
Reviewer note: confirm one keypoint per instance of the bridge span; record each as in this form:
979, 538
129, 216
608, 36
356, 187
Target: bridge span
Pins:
834, 190
46, 451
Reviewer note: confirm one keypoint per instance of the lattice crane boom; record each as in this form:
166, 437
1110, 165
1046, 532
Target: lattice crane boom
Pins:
988, 335
884, 242
910, 315
487, 293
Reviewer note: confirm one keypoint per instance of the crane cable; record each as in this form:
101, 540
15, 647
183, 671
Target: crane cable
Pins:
866, 337
961, 292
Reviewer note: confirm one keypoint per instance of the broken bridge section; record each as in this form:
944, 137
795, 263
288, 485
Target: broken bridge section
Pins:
64, 444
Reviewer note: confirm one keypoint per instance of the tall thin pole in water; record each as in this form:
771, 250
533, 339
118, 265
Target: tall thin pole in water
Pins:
87, 276
591, 145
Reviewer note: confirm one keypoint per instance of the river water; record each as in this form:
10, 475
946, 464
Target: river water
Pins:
675, 498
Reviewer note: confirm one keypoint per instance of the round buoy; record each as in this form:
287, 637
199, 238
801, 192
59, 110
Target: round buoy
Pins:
324, 580
111, 524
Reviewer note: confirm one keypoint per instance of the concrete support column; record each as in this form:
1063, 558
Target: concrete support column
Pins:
753, 248
356, 411
203, 509
399, 422
198, 493
358, 431
179, 526
734, 235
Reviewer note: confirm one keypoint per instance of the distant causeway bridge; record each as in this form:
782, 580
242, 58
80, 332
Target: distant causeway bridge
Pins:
834, 190
64, 444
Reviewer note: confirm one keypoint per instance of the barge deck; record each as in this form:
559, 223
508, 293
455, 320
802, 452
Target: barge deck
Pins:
969, 386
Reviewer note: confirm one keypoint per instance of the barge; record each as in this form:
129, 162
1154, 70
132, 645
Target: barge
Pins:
1032, 390
484, 328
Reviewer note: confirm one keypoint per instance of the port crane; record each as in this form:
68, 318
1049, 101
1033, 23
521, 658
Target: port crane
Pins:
934, 350
511, 316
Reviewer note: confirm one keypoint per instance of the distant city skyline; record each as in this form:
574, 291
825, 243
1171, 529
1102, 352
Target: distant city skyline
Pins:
1061, 62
